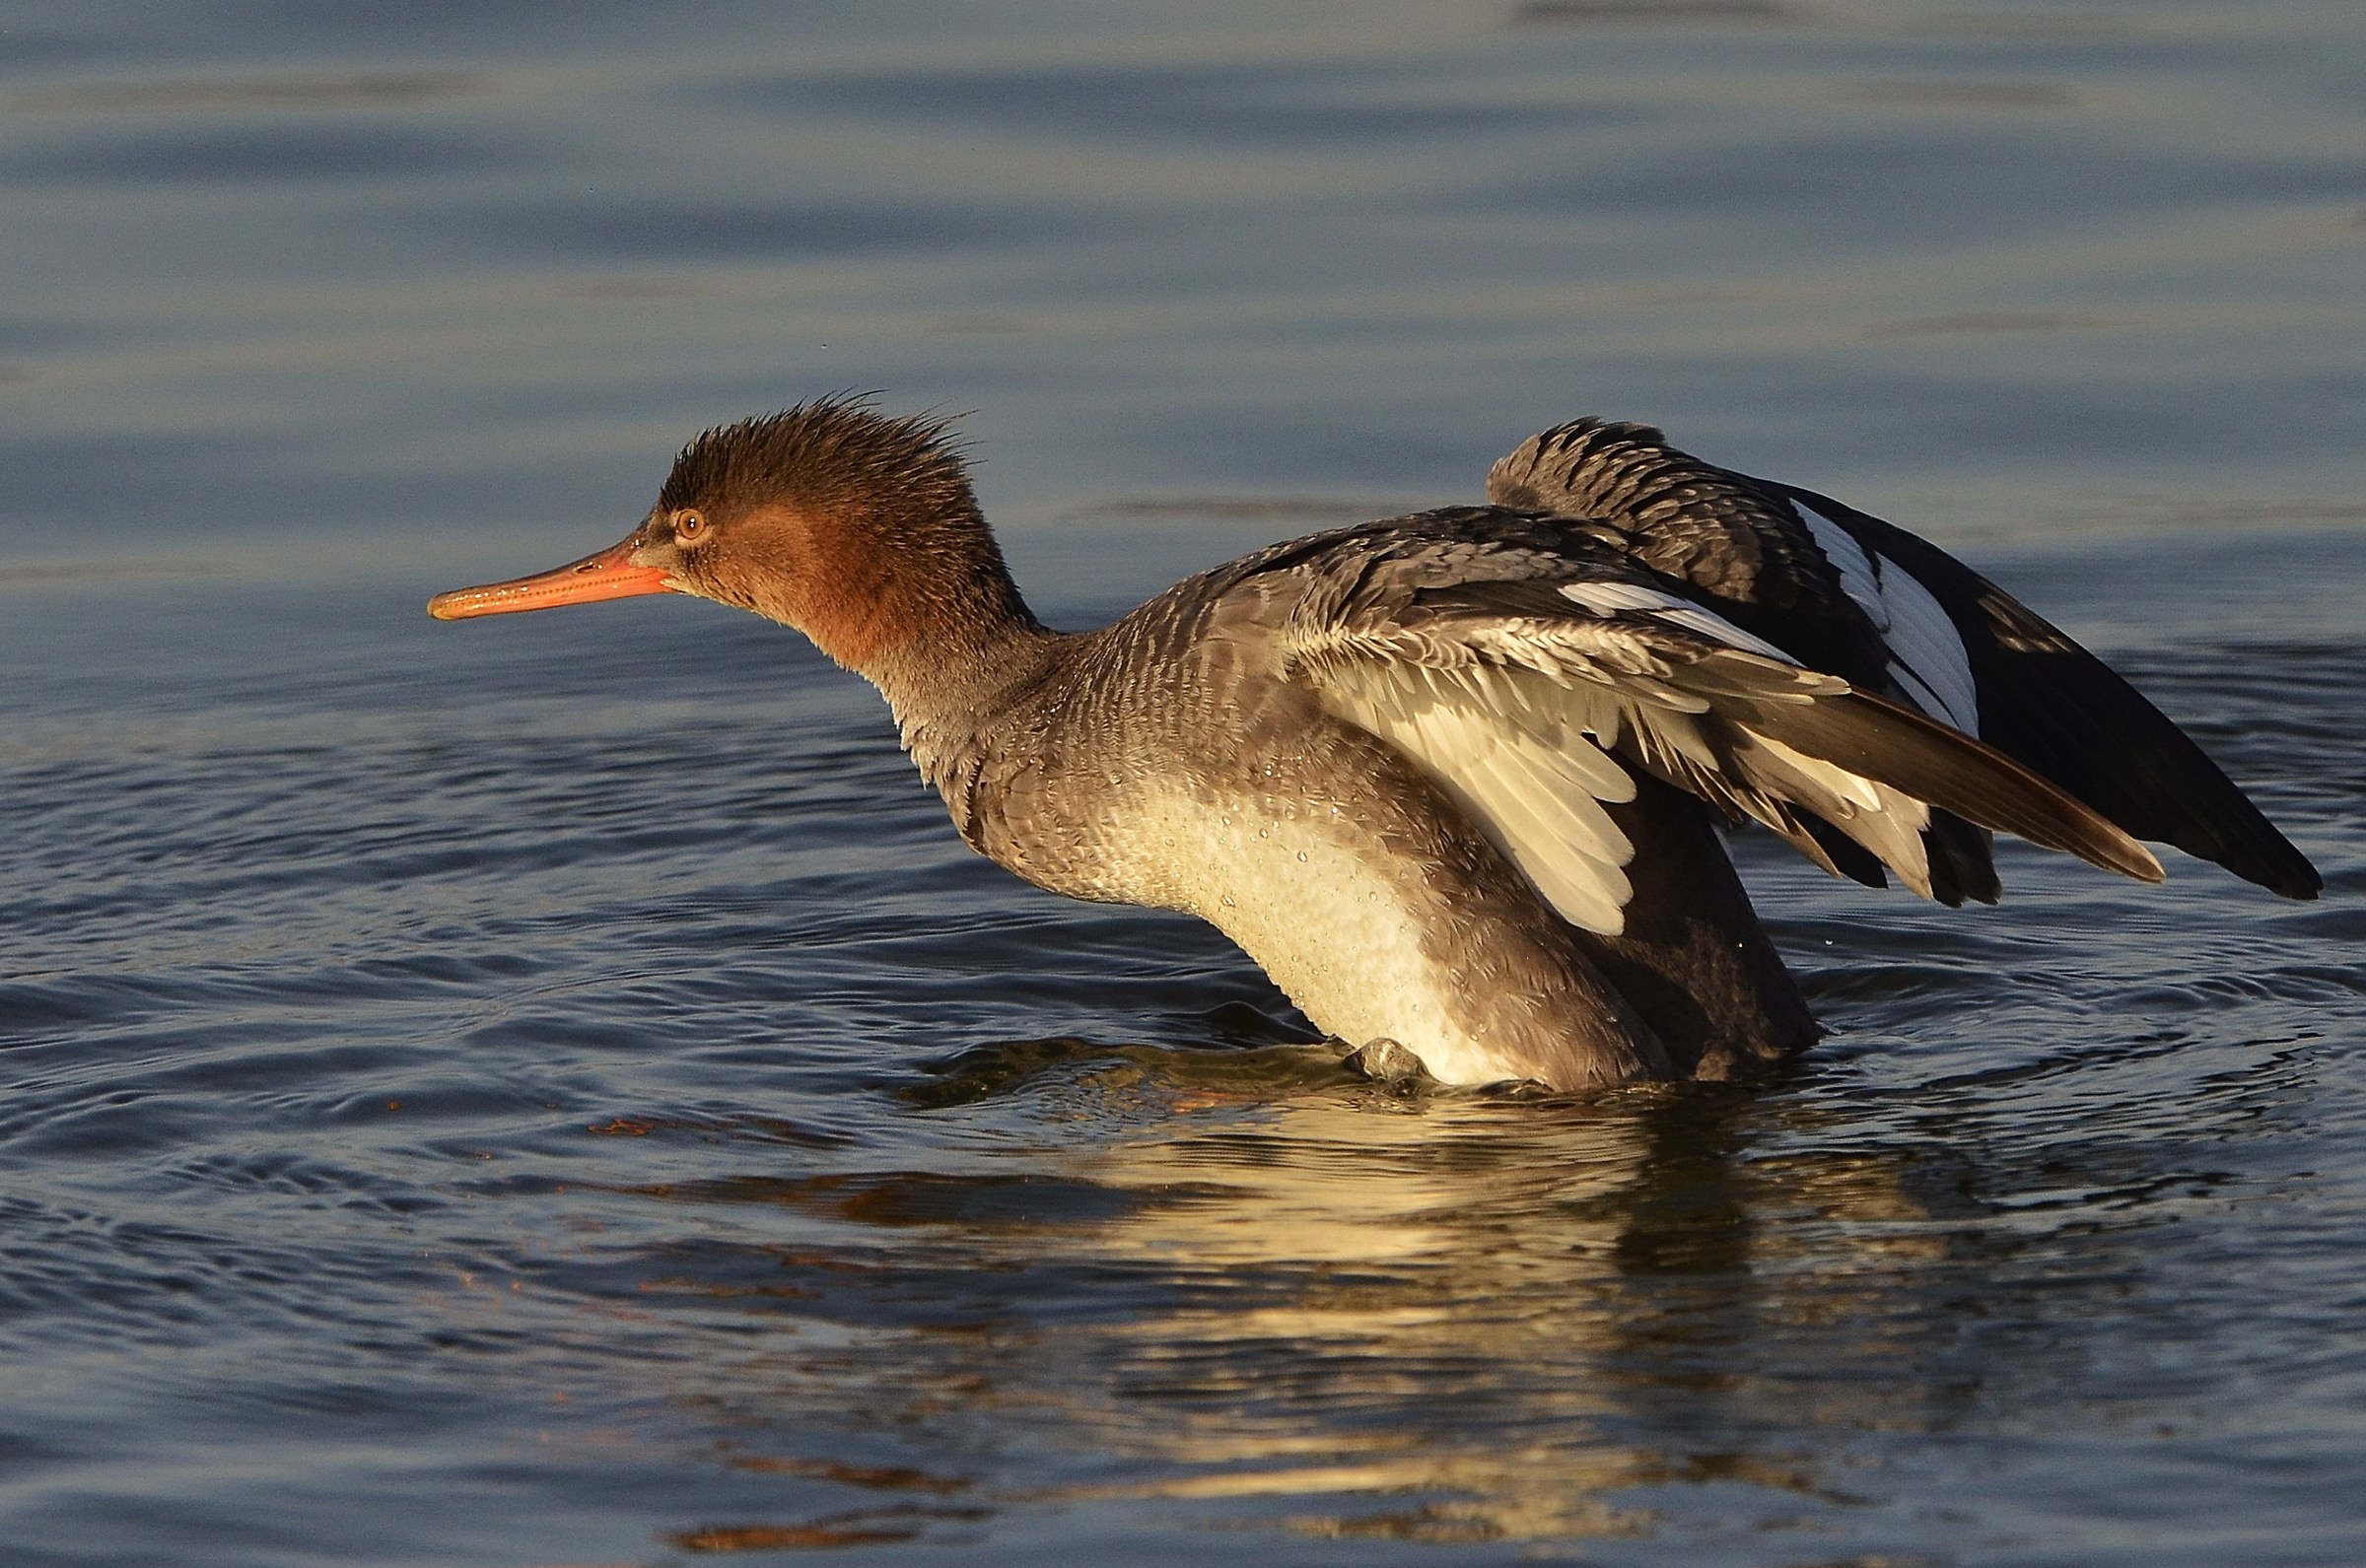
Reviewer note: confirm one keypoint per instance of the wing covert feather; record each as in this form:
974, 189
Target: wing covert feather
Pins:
1528, 688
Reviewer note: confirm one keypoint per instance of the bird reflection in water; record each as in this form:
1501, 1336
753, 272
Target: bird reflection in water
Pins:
1335, 1308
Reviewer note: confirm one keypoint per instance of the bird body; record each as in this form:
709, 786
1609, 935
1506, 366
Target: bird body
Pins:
1452, 778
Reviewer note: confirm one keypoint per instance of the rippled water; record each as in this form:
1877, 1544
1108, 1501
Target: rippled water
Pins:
555, 1090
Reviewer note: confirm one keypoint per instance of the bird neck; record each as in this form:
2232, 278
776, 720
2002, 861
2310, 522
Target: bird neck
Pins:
954, 667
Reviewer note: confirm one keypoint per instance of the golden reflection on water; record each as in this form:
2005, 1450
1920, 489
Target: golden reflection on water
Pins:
1444, 1317
1431, 1255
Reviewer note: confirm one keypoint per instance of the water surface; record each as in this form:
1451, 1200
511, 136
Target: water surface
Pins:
555, 1090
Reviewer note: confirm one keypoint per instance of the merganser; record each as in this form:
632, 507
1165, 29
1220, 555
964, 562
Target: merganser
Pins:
1452, 778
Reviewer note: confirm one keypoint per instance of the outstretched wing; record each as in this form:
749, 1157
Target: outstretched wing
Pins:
1529, 672
1850, 594
2049, 703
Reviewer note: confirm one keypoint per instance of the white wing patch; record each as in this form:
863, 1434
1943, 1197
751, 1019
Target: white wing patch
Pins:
1608, 599
1926, 654
1849, 558
1927, 644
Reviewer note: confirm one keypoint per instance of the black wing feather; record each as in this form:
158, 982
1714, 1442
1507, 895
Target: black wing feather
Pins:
2050, 704
1741, 544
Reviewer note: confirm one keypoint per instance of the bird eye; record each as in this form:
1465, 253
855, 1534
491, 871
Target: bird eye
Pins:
689, 526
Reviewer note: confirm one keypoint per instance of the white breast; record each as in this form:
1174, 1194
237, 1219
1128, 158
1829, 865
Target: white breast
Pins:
1333, 927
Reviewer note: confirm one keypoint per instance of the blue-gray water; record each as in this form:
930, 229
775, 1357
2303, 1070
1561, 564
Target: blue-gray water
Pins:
554, 1090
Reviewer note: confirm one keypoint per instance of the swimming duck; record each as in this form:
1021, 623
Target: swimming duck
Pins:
1455, 779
